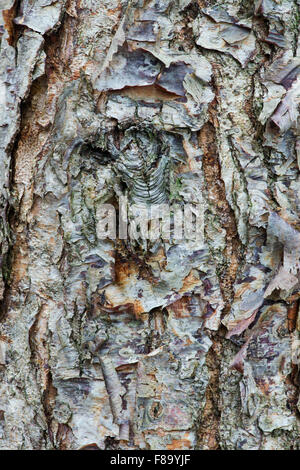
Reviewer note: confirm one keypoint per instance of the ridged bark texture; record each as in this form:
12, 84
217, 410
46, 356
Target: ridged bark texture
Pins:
122, 344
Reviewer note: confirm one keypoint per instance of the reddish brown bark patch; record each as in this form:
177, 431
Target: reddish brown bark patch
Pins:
217, 197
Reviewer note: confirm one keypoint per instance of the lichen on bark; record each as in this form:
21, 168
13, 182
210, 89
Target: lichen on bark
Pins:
114, 344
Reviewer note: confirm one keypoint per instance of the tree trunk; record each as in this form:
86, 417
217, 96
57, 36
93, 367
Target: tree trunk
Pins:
149, 344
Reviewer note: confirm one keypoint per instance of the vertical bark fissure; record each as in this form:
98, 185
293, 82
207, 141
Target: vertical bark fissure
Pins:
217, 198
112, 344
209, 426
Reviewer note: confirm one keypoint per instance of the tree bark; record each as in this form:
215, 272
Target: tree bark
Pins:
127, 344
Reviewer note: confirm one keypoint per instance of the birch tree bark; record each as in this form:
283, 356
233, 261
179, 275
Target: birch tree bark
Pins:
121, 344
